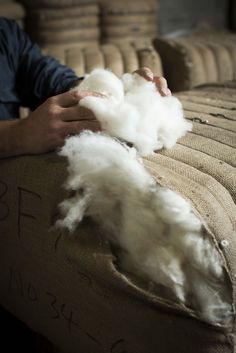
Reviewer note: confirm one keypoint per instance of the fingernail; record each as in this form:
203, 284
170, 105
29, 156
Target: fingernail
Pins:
165, 92
97, 94
149, 77
77, 94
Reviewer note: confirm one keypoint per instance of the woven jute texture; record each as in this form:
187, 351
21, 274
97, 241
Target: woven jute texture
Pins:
129, 29
127, 20
49, 47
120, 20
53, 3
204, 57
119, 59
112, 59
148, 57
66, 35
68, 287
48, 14
93, 58
65, 23
129, 57
74, 25
130, 7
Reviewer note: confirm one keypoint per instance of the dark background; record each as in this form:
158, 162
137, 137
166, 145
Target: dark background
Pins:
179, 16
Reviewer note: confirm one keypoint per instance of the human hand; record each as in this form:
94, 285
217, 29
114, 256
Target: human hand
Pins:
160, 82
47, 127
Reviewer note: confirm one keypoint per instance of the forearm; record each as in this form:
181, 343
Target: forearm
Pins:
11, 140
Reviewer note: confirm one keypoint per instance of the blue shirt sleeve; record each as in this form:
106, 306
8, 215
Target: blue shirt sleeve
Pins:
37, 77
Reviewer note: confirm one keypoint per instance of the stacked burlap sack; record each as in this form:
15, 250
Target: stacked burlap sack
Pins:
13, 10
62, 24
204, 57
128, 20
70, 289
119, 59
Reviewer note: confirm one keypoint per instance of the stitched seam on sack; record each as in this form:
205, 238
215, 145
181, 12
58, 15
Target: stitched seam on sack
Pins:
211, 114
212, 125
200, 106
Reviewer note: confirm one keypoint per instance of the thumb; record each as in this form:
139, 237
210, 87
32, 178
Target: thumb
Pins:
67, 99
70, 98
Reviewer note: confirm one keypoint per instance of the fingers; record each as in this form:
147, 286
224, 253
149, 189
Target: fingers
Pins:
76, 113
83, 94
72, 128
161, 85
68, 99
160, 82
145, 72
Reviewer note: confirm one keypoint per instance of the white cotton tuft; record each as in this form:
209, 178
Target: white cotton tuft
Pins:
132, 110
160, 237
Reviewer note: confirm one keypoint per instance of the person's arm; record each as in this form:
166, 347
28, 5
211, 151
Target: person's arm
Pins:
47, 127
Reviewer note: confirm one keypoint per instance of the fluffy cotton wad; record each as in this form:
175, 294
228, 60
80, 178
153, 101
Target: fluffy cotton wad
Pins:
133, 110
156, 231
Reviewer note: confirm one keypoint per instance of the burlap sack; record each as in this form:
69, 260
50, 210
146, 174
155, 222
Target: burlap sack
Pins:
74, 58
128, 7
217, 97
94, 58
65, 36
129, 57
65, 23
146, 40
227, 40
132, 29
210, 66
48, 47
69, 289
222, 45
57, 53
120, 20
53, 3
182, 63
12, 10
47, 14
199, 58
223, 61
148, 57
112, 59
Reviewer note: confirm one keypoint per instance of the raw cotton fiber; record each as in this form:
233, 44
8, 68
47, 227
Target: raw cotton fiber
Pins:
156, 230
133, 111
